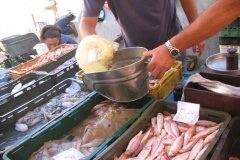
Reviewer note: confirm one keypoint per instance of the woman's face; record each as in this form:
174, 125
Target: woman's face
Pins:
52, 42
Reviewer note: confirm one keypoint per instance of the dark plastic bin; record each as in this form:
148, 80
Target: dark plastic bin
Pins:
7, 126
19, 44
8, 87
229, 144
196, 94
64, 124
65, 73
119, 146
16, 100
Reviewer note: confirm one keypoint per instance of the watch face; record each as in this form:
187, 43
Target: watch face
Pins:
174, 52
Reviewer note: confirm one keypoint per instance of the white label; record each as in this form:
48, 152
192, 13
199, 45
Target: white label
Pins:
70, 154
187, 112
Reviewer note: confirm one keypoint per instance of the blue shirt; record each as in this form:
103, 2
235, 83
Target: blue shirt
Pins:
65, 39
146, 23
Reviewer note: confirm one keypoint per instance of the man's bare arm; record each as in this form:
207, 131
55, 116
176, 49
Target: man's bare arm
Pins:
87, 26
215, 18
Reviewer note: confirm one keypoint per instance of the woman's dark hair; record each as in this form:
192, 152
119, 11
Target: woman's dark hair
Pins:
50, 31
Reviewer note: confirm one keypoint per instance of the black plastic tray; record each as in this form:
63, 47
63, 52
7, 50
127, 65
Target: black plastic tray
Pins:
67, 72
7, 88
229, 144
19, 44
69, 120
119, 146
16, 100
7, 124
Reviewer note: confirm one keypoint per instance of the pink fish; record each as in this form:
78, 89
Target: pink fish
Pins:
159, 149
122, 157
200, 128
206, 123
134, 144
168, 139
182, 129
183, 156
206, 132
189, 146
174, 128
157, 152
155, 145
150, 142
167, 118
201, 152
168, 129
159, 124
188, 135
210, 137
196, 149
177, 145
154, 123
163, 133
184, 124
144, 153
144, 140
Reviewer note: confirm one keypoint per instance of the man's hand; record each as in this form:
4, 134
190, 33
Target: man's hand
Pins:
161, 61
199, 48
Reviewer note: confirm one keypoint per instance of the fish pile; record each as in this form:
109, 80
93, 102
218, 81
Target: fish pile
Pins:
166, 139
104, 120
152, 83
49, 110
50, 56
64, 65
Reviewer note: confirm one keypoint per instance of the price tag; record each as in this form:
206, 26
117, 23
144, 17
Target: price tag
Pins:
70, 154
187, 112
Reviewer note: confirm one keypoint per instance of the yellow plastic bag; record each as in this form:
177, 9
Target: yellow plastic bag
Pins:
95, 53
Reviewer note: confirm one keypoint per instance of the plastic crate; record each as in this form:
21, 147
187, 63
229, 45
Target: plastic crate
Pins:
20, 70
119, 146
7, 124
166, 83
19, 44
229, 144
15, 100
64, 124
5, 90
233, 30
68, 72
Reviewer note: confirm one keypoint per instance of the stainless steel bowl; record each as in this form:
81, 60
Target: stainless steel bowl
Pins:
217, 64
128, 82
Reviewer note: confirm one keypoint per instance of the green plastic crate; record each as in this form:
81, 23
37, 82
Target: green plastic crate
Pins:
230, 32
69, 120
233, 30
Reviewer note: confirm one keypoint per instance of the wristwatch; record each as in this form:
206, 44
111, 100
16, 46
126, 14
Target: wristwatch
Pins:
172, 50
